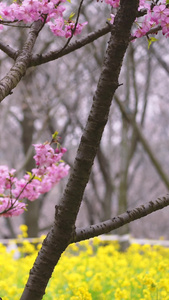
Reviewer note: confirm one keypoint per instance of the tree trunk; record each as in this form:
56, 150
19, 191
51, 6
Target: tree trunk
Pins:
62, 230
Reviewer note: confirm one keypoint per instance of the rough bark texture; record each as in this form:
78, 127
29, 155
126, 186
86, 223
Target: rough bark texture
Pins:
63, 228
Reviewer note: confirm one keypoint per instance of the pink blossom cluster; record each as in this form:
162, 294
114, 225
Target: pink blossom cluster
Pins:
11, 207
52, 11
32, 10
50, 169
156, 15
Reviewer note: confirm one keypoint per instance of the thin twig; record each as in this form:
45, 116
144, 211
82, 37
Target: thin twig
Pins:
73, 29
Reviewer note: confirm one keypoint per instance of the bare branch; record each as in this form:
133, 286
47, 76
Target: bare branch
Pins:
116, 222
160, 60
8, 50
19, 68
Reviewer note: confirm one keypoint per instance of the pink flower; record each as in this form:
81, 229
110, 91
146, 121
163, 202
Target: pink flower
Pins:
11, 207
141, 31
29, 191
70, 27
160, 12
57, 27
113, 3
165, 26
112, 18
46, 185
33, 10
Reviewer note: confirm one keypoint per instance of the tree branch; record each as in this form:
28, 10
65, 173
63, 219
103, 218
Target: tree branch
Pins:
8, 50
74, 29
160, 60
116, 222
153, 30
19, 68
41, 59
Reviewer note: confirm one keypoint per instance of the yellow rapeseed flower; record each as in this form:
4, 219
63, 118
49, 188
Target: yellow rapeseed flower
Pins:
91, 271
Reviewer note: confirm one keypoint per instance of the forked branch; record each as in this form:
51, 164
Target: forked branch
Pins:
18, 70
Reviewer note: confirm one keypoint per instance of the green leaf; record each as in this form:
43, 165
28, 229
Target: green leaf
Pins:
54, 136
38, 178
69, 1
71, 15
151, 40
167, 1
29, 173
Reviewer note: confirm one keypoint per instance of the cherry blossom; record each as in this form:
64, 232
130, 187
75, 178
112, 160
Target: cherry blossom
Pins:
32, 10
112, 16
11, 207
113, 3
156, 14
165, 26
50, 169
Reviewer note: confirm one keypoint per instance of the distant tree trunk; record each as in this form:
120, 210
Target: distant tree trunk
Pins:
123, 186
32, 214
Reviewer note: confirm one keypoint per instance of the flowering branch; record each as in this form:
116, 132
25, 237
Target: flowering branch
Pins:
48, 172
73, 28
91, 37
153, 30
38, 59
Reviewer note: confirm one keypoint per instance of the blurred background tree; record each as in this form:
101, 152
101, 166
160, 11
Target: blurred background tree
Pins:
132, 164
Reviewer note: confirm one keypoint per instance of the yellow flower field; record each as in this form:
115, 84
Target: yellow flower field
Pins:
92, 270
